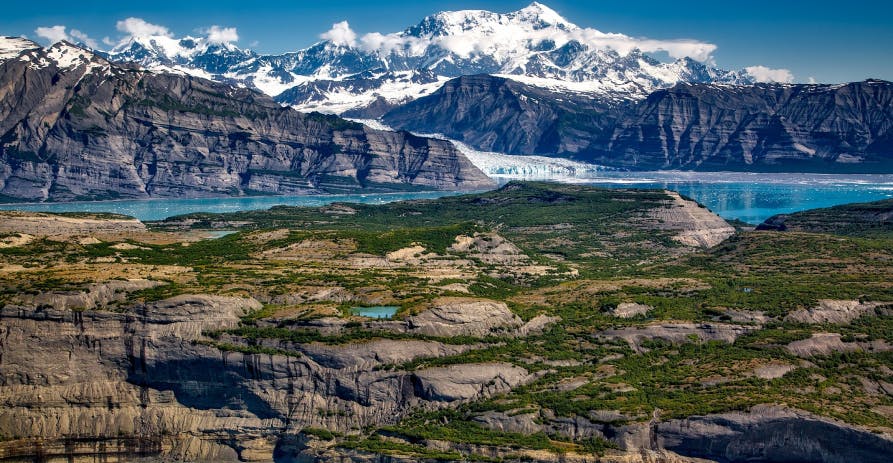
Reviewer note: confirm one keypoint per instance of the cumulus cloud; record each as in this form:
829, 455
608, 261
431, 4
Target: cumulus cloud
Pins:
340, 34
812, 80
59, 33
138, 27
81, 37
765, 74
52, 33
217, 34
511, 33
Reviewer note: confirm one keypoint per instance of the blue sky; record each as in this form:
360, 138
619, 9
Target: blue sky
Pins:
829, 41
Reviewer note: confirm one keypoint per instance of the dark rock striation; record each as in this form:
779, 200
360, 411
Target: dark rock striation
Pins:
764, 127
75, 126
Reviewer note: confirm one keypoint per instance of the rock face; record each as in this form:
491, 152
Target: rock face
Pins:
506, 116
676, 333
463, 317
74, 126
468, 381
771, 434
630, 310
832, 343
696, 225
764, 127
760, 127
142, 381
834, 312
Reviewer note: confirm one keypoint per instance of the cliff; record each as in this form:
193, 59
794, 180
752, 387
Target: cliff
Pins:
74, 126
764, 127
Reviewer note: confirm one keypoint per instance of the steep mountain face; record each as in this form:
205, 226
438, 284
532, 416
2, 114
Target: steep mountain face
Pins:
502, 115
772, 127
691, 126
75, 126
534, 44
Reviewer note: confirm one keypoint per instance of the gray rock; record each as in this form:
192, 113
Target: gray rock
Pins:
79, 127
676, 333
772, 434
630, 310
833, 312
690, 126
467, 381
464, 317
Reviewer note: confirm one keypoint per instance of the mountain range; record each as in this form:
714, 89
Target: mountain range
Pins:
166, 116
367, 75
760, 127
74, 126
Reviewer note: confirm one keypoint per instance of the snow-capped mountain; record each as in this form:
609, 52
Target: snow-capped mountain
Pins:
345, 72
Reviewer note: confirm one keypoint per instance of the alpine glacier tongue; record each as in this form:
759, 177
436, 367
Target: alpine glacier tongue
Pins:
366, 75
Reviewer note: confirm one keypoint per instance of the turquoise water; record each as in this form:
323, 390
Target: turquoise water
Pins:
382, 311
748, 197
754, 198
158, 209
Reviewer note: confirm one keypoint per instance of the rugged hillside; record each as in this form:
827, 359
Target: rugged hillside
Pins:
762, 127
506, 116
536, 322
848, 219
74, 126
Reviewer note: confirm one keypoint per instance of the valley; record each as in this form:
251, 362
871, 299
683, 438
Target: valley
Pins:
536, 322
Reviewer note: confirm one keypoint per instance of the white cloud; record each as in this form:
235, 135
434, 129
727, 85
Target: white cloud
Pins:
137, 27
507, 33
83, 38
340, 34
765, 74
58, 33
217, 34
52, 33
812, 80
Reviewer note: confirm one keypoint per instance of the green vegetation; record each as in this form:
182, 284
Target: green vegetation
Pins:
581, 253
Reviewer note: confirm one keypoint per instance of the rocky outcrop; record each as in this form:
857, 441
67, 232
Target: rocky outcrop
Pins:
771, 434
834, 312
763, 127
66, 226
630, 310
74, 126
847, 219
696, 226
98, 295
821, 344
144, 380
468, 381
676, 333
463, 317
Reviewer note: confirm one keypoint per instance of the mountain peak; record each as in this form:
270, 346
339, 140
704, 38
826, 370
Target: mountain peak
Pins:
538, 11
11, 47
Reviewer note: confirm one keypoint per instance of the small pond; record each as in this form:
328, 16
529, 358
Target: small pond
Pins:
381, 311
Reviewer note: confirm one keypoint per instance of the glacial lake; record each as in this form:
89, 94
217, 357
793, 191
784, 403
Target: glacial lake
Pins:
382, 311
745, 196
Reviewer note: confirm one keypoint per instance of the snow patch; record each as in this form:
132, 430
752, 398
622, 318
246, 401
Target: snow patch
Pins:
804, 149
11, 47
